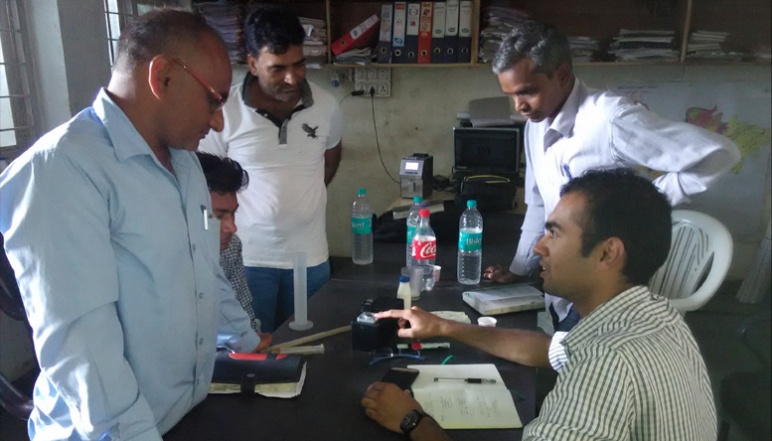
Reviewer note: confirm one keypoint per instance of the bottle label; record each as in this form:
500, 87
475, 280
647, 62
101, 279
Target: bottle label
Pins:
361, 225
424, 250
410, 234
469, 241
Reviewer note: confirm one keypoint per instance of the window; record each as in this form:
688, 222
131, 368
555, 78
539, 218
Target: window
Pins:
120, 12
17, 124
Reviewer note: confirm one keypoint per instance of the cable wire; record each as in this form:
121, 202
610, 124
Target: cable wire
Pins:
377, 141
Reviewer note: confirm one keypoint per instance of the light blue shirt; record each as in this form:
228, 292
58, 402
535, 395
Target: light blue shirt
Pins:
120, 278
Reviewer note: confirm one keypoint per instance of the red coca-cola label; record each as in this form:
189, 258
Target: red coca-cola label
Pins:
424, 250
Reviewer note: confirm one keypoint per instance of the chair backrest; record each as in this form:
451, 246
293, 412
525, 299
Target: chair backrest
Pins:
13, 400
699, 258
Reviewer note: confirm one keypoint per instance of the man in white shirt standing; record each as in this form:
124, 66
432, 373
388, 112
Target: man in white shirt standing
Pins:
572, 128
286, 133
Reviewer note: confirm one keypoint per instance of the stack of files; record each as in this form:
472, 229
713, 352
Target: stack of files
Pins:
637, 45
227, 18
706, 45
362, 56
454, 403
501, 20
584, 49
315, 43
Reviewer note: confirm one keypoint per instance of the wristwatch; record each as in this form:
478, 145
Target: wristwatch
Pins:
410, 421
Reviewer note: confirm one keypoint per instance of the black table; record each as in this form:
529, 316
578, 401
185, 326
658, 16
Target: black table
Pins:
328, 407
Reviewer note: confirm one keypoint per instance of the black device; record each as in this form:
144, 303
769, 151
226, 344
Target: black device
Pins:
401, 376
487, 165
369, 334
487, 150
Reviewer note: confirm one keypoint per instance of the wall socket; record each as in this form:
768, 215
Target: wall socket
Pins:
376, 78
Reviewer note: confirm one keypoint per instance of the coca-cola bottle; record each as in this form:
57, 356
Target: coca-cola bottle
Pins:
425, 249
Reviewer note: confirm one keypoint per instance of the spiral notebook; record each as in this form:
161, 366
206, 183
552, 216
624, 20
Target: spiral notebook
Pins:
504, 298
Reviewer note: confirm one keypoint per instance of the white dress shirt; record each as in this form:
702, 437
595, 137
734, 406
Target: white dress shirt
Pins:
601, 130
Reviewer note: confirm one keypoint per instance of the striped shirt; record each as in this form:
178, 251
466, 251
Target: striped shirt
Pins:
634, 372
233, 267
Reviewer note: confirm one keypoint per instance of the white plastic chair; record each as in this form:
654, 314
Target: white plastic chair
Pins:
699, 258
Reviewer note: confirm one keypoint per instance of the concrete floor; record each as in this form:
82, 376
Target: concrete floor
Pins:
714, 328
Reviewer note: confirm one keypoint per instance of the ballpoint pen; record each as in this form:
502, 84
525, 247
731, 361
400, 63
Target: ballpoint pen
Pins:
469, 380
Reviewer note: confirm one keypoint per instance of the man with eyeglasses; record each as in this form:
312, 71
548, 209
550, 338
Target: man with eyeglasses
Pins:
127, 300
286, 133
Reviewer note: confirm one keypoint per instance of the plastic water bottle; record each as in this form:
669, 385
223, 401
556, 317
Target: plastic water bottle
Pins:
425, 249
362, 229
404, 293
412, 223
470, 228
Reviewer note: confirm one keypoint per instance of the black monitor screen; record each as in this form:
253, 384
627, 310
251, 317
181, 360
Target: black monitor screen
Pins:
487, 149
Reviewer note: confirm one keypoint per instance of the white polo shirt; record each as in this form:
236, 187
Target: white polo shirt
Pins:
283, 208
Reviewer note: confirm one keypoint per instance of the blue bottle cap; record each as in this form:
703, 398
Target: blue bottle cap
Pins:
471, 203
404, 278
417, 199
361, 192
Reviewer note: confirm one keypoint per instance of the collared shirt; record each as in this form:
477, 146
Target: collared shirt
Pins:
233, 266
597, 130
634, 372
284, 207
120, 279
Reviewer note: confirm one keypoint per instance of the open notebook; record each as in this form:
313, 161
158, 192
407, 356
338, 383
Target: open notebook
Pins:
456, 404
504, 298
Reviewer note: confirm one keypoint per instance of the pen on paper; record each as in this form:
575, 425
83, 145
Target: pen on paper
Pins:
423, 346
205, 212
469, 380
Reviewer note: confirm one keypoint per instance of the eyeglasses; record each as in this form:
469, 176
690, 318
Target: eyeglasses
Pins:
218, 101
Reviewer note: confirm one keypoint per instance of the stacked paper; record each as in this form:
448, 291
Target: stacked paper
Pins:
227, 19
584, 49
706, 45
636, 45
315, 43
501, 20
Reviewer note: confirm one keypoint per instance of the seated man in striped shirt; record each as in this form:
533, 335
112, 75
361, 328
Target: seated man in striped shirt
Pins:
632, 369
224, 178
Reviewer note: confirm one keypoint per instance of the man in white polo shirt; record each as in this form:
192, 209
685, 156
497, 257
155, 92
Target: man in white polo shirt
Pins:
286, 133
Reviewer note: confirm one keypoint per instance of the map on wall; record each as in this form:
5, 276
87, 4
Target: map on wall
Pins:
740, 111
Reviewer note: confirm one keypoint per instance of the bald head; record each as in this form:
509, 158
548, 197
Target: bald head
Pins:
163, 31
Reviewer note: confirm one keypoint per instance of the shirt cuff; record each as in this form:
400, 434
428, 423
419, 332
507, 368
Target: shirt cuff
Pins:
557, 352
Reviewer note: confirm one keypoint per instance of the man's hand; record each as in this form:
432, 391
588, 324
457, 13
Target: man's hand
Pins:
386, 404
265, 341
422, 324
500, 274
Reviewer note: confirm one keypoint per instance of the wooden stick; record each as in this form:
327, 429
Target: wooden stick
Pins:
309, 338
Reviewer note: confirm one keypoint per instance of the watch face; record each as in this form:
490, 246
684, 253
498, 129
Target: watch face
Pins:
410, 421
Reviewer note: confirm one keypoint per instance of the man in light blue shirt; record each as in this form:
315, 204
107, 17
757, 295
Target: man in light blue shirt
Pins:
108, 226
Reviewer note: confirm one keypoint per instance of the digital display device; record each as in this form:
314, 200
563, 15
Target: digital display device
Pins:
412, 166
482, 150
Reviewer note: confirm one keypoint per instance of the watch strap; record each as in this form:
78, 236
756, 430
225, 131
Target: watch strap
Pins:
411, 420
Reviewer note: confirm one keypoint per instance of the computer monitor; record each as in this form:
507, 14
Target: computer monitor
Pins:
488, 150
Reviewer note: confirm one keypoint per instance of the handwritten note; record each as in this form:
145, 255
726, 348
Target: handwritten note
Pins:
456, 404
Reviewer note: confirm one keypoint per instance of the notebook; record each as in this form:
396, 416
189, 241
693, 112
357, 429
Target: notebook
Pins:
504, 298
